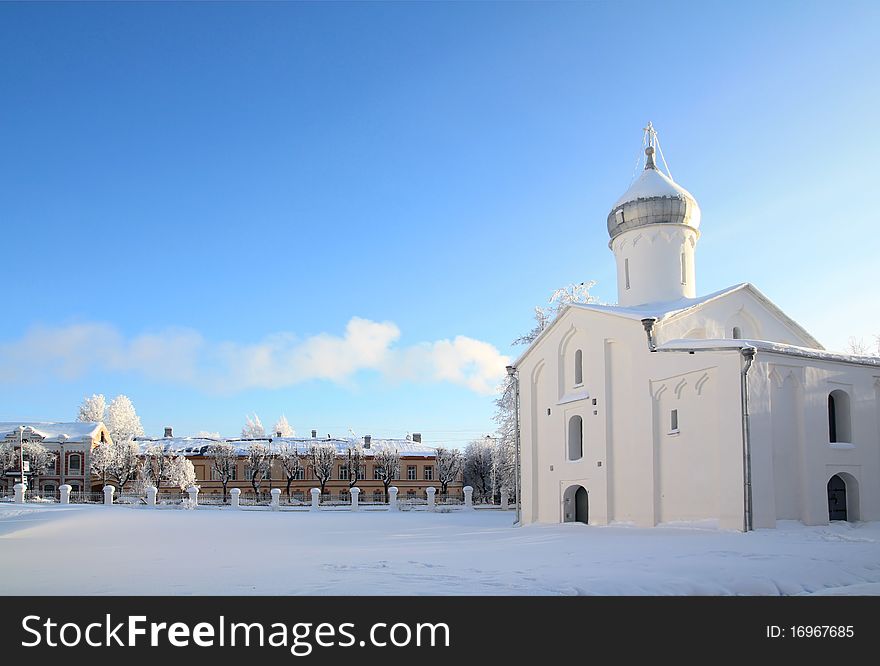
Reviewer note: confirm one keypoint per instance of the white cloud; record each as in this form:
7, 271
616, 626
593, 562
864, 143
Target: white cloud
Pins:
184, 356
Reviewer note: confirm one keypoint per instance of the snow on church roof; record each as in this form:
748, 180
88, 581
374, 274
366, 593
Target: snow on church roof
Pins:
773, 347
77, 431
667, 310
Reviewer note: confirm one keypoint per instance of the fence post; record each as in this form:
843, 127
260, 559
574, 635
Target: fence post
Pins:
392, 498
355, 492
193, 493
431, 491
65, 493
316, 499
108, 495
151, 495
19, 493
276, 499
234, 495
504, 499
468, 498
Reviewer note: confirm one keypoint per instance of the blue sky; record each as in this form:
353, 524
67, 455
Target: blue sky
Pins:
346, 212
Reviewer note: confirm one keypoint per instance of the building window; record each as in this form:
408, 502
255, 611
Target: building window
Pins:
429, 473
626, 271
215, 475
299, 475
684, 268
74, 464
575, 438
50, 469
378, 473
578, 367
737, 333
673, 421
410, 493
839, 421
411, 473
362, 472
343, 473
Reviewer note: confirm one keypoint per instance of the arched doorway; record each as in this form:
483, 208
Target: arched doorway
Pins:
837, 498
576, 505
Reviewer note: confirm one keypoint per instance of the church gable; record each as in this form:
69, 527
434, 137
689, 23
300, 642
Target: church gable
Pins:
743, 312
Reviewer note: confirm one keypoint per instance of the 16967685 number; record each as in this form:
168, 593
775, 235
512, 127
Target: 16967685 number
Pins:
822, 631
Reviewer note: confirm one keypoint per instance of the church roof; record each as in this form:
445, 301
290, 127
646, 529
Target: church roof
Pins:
667, 310
654, 198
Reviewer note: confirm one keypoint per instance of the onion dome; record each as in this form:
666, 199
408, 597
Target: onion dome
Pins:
654, 198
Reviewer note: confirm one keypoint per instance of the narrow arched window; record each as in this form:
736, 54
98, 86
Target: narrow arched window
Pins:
839, 419
683, 268
626, 272
575, 438
737, 333
578, 367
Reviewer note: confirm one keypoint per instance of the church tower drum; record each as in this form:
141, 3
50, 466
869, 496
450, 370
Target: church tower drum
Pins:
654, 229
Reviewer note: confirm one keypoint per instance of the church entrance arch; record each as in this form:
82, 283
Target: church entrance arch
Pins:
576, 505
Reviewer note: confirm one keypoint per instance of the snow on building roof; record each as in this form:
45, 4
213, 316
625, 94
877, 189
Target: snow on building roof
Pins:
774, 348
653, 183
199, 445
666, 310
77, 431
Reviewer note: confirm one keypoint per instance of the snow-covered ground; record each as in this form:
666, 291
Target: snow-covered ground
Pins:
123, 550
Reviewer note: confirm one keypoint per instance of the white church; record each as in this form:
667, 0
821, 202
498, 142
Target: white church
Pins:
675, 407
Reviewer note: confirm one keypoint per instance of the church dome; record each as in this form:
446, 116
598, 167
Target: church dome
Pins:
654, 198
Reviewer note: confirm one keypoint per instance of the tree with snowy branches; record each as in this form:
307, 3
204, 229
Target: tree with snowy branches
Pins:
354, 459
290, 461
181, 473
122, 420
478, 466
282, 428
449, 463
258, 463
858, 347
125, 463
92, 409
157, 463
253, 429
559, 300
39, 458
322, 458
8, 457
223, 457
386, 463
102, 461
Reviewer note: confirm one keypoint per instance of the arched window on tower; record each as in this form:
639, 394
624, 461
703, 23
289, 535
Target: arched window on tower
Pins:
578, 367
737, 333
839, 421
575, 438
683, 268
626, 272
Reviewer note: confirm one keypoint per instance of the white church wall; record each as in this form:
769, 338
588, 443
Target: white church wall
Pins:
717, 319
650, 267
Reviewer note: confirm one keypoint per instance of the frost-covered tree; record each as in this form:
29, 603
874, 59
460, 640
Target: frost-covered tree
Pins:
257, 464
102, 461
39, 458
559, 299
122, 420
504, 466
92, 409
322, 458
181, 473
125, 464
253, 429
354, 459
223, 457
157, 463
859, 347
8, 457
449, 463
387, 465
283, 427
477, 467
290, 462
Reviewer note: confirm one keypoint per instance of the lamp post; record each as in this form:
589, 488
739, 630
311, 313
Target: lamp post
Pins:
21, 454
514, 378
